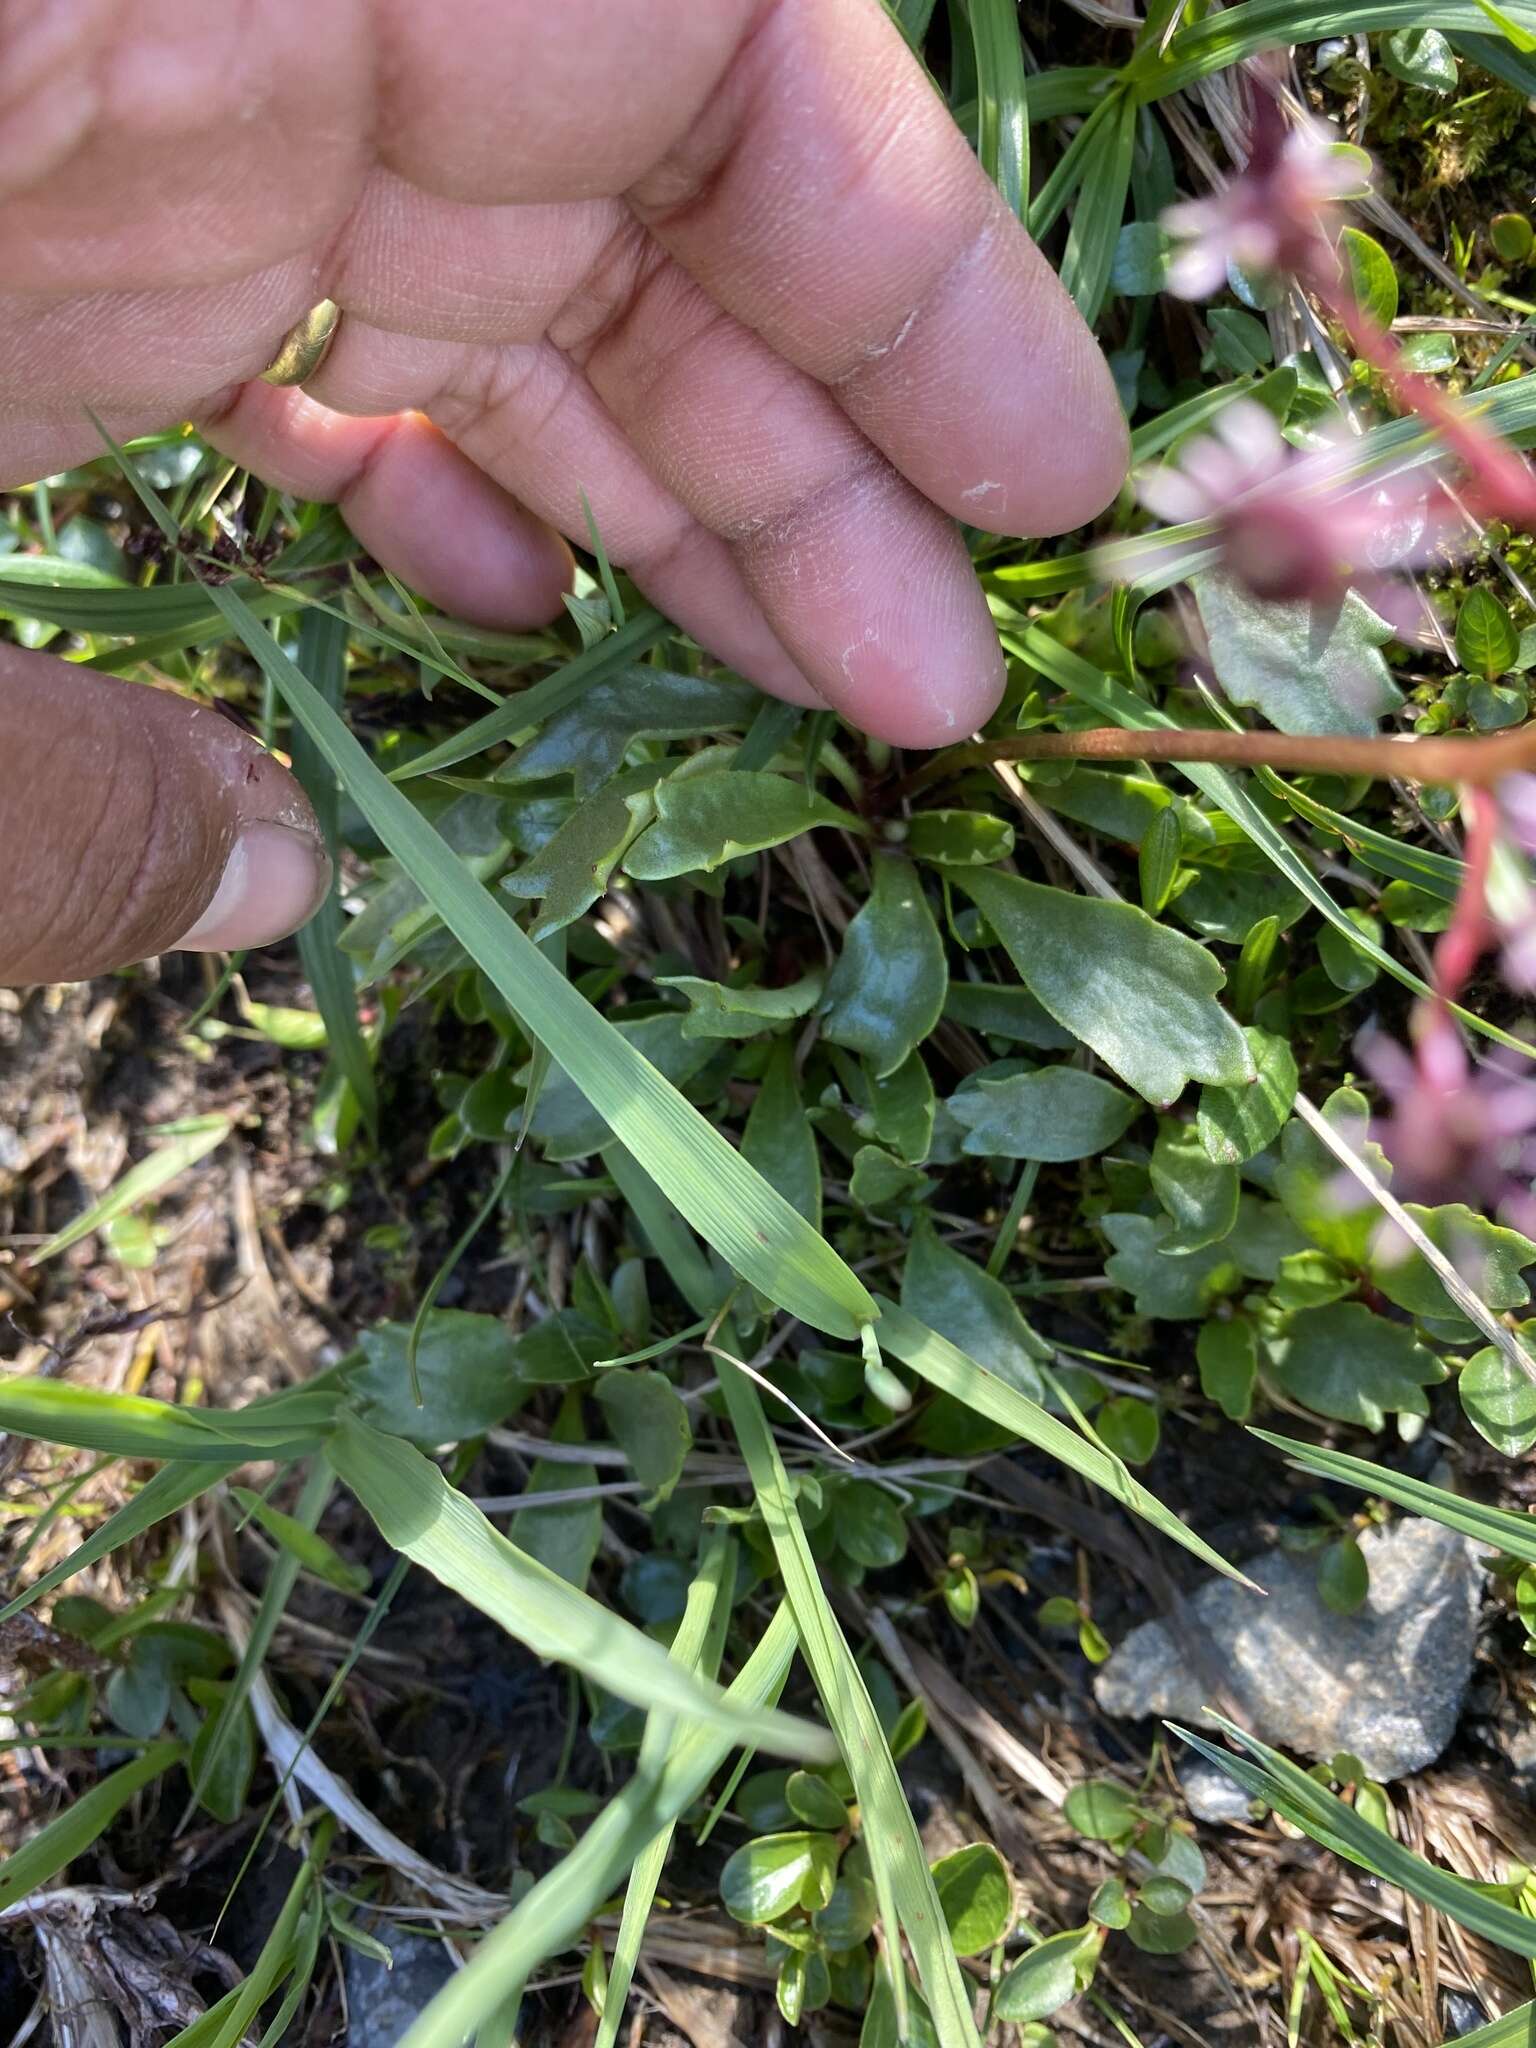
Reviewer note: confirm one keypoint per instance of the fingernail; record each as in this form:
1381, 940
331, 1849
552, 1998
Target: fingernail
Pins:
274, 880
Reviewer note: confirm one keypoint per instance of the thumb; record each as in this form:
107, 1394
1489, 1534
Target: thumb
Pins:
133, 822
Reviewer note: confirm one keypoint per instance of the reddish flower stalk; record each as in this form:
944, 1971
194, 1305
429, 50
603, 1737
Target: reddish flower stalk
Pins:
1501, 483
1278, 215
1468, 935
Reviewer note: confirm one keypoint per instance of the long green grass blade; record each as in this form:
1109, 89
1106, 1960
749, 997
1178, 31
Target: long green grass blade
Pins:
670, 1238
1310, 1806
1514, 1534
162, 1166
1222, 40
1438, 874
1002, 114
697, 1646
900, 1868
433, 1524
323, 658
942, 1365
119, 610
1050, 201
133, 1426
1100, 209
531, 706
555, 1913
81, 1823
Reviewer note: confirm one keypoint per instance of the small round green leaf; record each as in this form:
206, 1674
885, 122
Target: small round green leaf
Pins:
1343, 1576
1164, 1895
765, 1877
975, 1897
1512, 237
869, 1523
812, 1800
1487, 643
849, 1914
760, 1800
1129, 1428
789, 1990
1372, 279
1041, 1982
1160, 1934
1421, 57
1101, 1809
1228, 1357
1110, 1905
1499, 1401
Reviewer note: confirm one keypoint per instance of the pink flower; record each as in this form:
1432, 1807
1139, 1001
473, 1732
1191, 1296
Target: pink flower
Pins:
1516, 798
1510, 896
1456, 1133
1272, 217
1292, 524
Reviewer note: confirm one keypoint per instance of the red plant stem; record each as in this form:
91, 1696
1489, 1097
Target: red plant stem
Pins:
1454, 759
1503, 486
1466, 938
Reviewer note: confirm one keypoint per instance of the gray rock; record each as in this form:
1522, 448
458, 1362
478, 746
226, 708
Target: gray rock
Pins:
1210, 1794
1463, 2015
381, 2002
1386, 1683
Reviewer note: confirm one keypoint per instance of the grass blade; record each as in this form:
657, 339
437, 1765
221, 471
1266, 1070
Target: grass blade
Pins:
697, 1646
1310, 1806
433, 1524
133, 1426
900, 1868
530, 707
456, 1252
1049, 202
554, 1914
942, 1365
1100, 208
1513, 1534
81, 1823
1218, 42
323, 655
1002, 114
195, 1138
121, 610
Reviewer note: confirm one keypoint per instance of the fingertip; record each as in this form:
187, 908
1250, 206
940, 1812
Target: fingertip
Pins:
874, 596
134, 821
275, 879
922, 700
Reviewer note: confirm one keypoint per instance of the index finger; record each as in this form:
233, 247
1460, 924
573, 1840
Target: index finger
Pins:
825, 198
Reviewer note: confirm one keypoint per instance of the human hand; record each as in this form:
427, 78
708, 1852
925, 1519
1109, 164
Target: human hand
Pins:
729, 268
